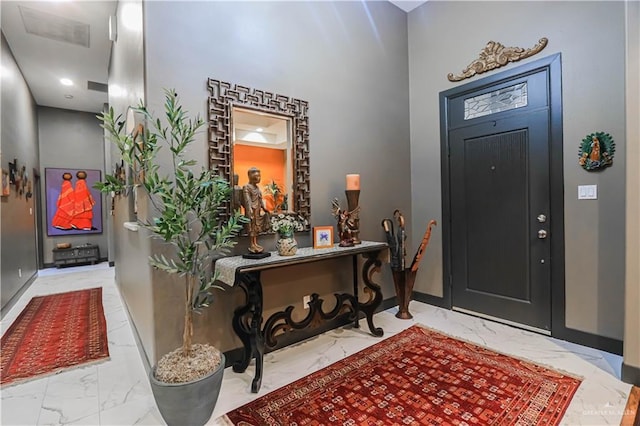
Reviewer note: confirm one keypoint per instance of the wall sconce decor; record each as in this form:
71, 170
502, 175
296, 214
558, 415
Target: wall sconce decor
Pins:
6, 188
12, 171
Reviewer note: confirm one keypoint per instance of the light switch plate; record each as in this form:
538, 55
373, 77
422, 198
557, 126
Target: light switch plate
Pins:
587, 192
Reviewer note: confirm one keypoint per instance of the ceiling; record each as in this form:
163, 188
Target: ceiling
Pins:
52, 39
407, 5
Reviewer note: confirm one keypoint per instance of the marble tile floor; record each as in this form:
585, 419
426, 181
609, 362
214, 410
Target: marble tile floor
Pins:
117, 392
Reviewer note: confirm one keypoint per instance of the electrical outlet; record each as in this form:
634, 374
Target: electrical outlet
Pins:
19, 272
305, 301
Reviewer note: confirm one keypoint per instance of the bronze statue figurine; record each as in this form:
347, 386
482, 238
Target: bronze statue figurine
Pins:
254, 210
346, 224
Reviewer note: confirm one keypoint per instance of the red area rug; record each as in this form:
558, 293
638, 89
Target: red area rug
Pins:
53, 333
418, 377
631, 415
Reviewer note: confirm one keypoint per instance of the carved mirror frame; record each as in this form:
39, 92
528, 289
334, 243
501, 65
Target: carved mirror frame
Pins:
223, 96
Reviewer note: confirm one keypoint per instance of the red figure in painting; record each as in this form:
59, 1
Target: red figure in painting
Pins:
83, 204
66, 204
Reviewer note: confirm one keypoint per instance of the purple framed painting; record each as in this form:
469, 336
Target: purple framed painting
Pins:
73, 206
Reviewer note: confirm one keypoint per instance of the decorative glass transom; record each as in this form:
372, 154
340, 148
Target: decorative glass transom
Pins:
511, 97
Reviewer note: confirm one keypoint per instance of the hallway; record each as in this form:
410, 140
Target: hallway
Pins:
117, 392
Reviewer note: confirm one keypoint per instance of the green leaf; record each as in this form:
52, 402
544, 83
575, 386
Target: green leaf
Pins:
184, 201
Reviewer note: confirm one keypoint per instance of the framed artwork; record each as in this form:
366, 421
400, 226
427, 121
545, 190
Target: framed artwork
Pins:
6, 186
73, 205
322, 237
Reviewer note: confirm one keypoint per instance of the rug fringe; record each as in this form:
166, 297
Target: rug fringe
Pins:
519, 358
224, 421
54, 372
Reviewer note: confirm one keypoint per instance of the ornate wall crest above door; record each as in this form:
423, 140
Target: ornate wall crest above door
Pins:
496, 55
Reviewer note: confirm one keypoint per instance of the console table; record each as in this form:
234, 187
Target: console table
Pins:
88, 253
248, 322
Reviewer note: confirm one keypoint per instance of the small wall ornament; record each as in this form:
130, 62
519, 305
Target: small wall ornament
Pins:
596, 151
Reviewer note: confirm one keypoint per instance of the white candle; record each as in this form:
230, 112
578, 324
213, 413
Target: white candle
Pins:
353, 182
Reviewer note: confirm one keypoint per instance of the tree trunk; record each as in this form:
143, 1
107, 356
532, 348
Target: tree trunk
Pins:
188, 319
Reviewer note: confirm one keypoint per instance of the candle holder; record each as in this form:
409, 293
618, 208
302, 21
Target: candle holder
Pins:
353, 196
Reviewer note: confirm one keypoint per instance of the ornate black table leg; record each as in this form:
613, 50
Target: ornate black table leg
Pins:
371, 265
354, 258
247, 322
258, 350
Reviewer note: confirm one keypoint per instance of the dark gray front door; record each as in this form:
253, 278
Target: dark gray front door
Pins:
499, 185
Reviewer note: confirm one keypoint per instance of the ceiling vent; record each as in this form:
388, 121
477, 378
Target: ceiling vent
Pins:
98, 87
54, 27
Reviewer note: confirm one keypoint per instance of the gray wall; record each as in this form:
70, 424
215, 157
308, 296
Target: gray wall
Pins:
349, 61
445, 37
353, 63
17, 213
71, 140
130, 249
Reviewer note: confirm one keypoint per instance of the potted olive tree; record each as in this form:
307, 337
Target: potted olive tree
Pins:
185, 382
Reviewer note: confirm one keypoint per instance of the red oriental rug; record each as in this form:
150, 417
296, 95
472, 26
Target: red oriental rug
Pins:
53, 333
631, 415
418, 377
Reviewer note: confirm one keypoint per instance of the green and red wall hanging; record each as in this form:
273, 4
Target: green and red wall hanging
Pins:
596, 151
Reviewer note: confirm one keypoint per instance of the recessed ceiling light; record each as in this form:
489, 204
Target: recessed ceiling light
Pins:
66, 82
68, 96
259, 129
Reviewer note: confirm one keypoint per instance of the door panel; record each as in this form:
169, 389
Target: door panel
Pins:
499, 184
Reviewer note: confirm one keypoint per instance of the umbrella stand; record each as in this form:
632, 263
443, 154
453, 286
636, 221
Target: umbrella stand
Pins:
404, 278
404, 281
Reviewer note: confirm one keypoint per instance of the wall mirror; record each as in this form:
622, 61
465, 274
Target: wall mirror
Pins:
255, 128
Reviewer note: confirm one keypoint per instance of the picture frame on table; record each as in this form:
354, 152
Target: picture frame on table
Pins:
322, 237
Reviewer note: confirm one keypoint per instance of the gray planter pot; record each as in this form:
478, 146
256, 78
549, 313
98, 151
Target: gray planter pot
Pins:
188, 403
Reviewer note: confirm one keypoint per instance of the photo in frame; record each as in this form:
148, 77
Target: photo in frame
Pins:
73, 205
322, 237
